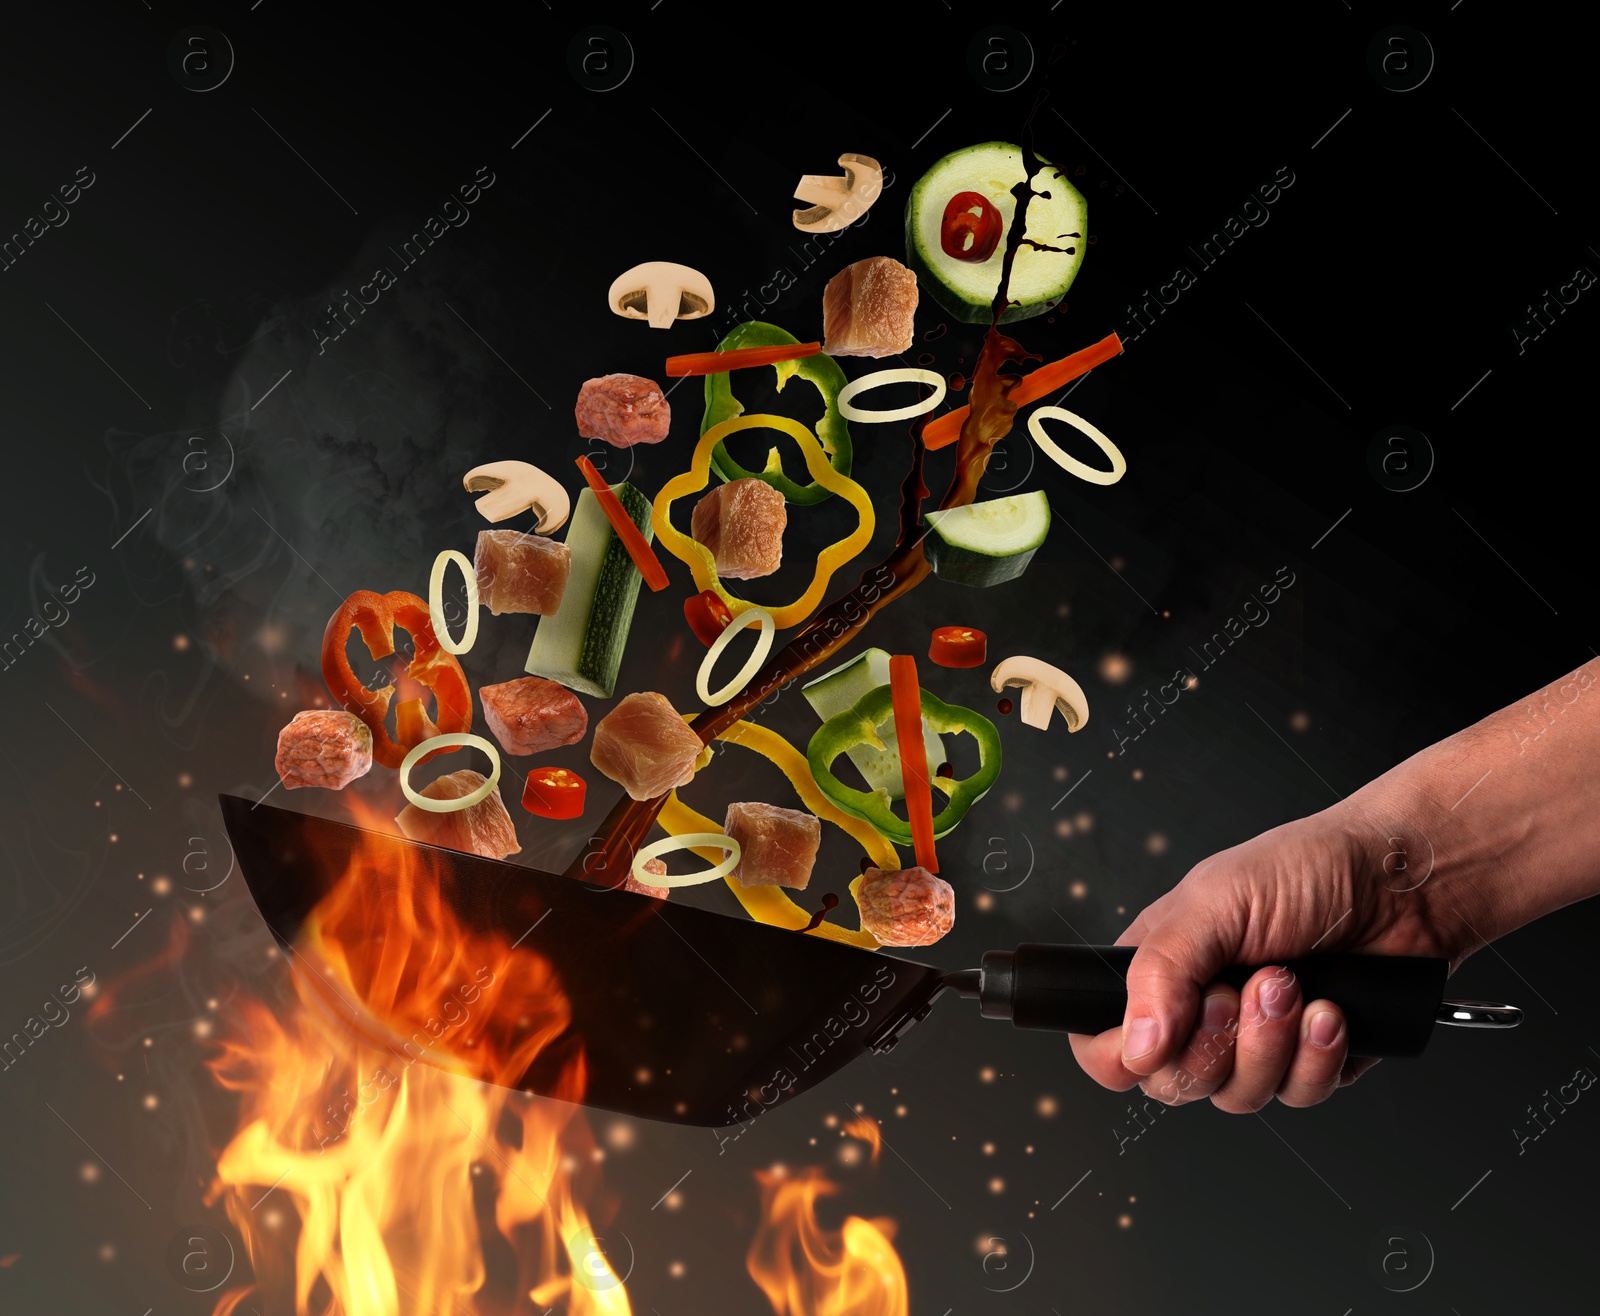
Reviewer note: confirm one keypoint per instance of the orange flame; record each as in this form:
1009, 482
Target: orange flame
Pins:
867, 1131
806, 1270
379, 1157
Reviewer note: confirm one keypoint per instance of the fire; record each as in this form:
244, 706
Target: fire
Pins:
387, 1163
865, 1130
807, 1270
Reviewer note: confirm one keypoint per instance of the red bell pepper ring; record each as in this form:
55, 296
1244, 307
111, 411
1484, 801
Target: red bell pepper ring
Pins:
959, 223
554, 793
708, 616
739, 358
958, 646
907, 704
655, 575
376, 616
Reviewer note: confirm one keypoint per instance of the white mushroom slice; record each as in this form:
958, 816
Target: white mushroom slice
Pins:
661, 292
838, 202
510, 488
1044, 689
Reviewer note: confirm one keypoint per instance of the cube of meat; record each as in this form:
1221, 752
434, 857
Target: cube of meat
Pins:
483, 828
532, 714
742, 523
520, 572
905, 906
623, 410
657, 866
324, 747
644, 746
777, 847
868, 309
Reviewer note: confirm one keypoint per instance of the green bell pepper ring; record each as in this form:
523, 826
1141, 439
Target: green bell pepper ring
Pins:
857, 725
831, 431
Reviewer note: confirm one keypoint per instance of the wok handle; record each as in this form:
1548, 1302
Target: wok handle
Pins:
1390, 1002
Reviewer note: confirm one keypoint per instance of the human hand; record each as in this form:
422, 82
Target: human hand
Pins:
1318, 884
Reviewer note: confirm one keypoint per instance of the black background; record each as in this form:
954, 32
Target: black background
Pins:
1408, 244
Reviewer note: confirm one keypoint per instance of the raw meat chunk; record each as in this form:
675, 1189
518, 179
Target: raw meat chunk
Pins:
532, 714
777, 847
906, 906
623, 410
657, 866
644, 746
868, 309
483, 828
323, 747
742, 523
519, 572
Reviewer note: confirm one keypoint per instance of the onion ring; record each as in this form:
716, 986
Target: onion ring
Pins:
702, 679
449, 741
686, 841
909, 375
469, 637
1071, 465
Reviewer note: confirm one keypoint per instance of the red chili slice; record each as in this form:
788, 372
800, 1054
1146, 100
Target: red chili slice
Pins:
655, 575
958, 646
707, 615
739, 358
960, 224
907, 704
554, 793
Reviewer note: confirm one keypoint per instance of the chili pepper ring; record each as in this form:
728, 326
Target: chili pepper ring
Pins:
702, 679
686, 842
448, 742
909, 375
441, 630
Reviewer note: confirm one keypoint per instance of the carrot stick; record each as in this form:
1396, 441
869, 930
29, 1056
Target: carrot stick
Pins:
946, 429
907, 701
638, 547
738, 358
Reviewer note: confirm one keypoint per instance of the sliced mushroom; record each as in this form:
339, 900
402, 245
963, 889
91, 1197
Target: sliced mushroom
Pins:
510, 488
1044, 689
661, 292
838, 202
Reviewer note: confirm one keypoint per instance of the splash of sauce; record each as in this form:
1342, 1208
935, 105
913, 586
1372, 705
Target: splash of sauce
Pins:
989, 420
830, 902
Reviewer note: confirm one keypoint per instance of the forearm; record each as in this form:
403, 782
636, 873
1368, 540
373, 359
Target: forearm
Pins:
1506, 811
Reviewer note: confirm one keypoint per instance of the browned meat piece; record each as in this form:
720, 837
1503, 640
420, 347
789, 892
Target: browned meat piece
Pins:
868, 309
623, 410
483, 828
644, 746
532, 714
324, 747
639, 888
519, 572
906, 906
777, 847
742, 523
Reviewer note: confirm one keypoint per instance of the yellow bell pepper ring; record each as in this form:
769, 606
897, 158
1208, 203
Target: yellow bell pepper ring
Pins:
699, 558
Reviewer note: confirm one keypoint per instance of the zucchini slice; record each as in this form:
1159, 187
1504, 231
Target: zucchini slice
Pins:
1058, 217
987, 543
580, 645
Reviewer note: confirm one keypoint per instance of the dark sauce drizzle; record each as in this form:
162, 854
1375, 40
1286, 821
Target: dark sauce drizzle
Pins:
620, 836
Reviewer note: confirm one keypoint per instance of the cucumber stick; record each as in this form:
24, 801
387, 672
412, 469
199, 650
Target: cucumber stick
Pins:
841, 689
581, 643
987, 543
1058, 217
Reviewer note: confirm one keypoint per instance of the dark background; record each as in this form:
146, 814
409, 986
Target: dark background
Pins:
1381, 291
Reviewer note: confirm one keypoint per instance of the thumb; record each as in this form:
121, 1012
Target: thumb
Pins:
1170, 967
